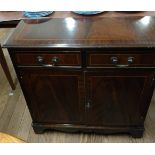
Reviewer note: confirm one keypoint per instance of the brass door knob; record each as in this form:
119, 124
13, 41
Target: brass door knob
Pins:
114, 60
55, 60
130, 60
40, 59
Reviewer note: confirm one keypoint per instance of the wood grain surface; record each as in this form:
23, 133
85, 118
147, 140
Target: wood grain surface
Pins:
84, 33
15, 119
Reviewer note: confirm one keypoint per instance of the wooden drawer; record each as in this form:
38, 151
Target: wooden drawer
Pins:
47, 59
120, 60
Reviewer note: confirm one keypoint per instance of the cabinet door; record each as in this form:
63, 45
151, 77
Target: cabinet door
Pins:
53, 96
118, 97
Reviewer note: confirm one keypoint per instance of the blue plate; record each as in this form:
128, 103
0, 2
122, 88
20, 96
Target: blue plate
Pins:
87, 12
37, 14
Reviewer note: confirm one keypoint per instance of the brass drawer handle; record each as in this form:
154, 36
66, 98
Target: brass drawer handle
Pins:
121, 66
130, 61
115, 62
55, 61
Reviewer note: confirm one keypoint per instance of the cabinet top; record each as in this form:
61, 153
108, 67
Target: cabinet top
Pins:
83, 33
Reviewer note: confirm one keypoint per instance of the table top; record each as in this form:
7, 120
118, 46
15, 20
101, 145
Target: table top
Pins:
12, 18
84, 33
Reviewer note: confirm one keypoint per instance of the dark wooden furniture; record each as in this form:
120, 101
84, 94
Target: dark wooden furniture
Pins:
10, 19
89, 75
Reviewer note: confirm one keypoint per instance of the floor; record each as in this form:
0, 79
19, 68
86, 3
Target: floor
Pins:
15, 118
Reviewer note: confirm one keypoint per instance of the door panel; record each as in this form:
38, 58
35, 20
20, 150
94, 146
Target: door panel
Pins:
53, 96
117, 98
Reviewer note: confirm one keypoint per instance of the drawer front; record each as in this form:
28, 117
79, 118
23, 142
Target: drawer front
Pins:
118, 60
39, 59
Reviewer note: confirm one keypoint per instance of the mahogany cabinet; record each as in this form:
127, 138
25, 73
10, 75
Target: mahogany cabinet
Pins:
81, 97
55, 94
80, 77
